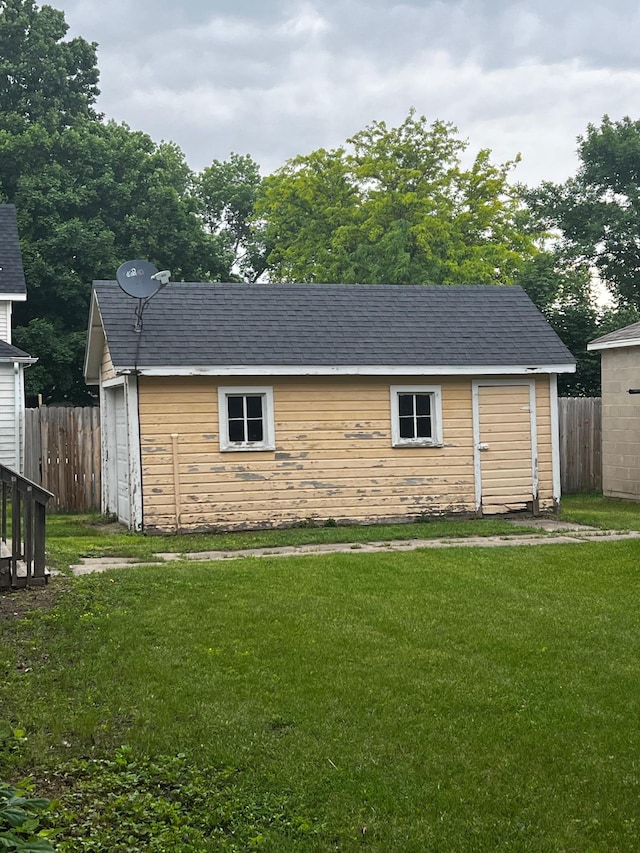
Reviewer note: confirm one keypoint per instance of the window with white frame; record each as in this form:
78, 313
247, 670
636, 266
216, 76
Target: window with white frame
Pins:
246, 418
416, 415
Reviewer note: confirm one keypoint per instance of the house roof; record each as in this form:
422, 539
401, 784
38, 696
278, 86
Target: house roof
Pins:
11, 353
293, 328
629, 336
12, 281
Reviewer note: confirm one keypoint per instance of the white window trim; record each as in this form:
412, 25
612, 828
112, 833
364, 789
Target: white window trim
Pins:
266, 392
436, 416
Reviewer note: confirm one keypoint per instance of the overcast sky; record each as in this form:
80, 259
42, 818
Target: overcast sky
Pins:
276, 78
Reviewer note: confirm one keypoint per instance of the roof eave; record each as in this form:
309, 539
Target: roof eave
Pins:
347, 370
595, 346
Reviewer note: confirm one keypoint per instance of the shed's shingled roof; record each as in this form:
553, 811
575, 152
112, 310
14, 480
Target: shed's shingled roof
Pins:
190, 324
11, 271
628, 335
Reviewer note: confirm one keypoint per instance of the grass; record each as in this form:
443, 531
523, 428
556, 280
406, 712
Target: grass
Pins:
70, 537
470, 699
606, 513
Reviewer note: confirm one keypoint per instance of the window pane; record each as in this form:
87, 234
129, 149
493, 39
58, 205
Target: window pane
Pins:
405, 404
424, 427
406, 428
254, 407
423, 404
235, 408
254, 428
236, 431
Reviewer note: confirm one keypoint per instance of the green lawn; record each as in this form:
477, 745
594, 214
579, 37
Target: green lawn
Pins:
70, 537
471, 699
608, 513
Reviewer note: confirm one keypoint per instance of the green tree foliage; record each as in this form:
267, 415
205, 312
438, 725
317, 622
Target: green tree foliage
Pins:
228, 191
562, 290
88, 194
43, 78
598, 210
395, 206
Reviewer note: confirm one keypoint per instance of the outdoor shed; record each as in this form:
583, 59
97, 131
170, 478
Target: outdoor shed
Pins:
620, 369
245, 406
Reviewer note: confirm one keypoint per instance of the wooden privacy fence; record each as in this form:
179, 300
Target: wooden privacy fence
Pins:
62, 453
580, 420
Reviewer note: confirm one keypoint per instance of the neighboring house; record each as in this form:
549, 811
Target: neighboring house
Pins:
620, 368
246, 406
12, 360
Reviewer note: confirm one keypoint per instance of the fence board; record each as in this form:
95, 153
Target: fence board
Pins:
62, 453
580, 421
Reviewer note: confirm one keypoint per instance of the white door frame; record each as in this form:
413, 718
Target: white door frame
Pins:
108, 437
475, 397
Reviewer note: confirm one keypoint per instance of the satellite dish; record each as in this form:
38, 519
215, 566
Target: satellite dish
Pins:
137, 279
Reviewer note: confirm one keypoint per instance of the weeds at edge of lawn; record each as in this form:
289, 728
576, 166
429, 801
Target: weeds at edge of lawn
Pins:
71, 537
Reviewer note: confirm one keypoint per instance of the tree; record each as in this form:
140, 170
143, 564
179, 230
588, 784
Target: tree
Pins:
562, 290
43, 78
394, 206
597, 212
228, 191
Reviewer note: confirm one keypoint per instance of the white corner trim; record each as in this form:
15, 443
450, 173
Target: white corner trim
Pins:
533, 417
594, 346
268, 418
477, 469
349, 370
555, 438
17, 418
435, 392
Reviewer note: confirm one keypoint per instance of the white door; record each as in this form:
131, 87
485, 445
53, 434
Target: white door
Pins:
120, 446
506, 452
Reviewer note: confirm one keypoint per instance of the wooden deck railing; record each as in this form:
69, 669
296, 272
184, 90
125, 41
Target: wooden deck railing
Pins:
22, 529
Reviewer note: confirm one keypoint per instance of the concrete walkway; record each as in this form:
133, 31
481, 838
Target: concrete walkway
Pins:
545, 531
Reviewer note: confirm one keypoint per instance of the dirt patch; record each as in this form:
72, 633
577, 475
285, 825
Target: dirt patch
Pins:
16, 604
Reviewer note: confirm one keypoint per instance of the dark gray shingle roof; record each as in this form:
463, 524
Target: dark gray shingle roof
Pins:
11, 271
294, 324
11, 353
620, 336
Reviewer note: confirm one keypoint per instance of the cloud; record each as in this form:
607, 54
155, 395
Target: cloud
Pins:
278, 78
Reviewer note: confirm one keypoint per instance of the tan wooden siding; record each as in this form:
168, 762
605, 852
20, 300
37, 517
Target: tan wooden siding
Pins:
106, 367
333, 456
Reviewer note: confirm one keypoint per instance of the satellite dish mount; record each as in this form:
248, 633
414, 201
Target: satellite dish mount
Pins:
142, 281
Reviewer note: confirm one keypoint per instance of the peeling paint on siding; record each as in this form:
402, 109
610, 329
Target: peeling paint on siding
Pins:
366, 436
